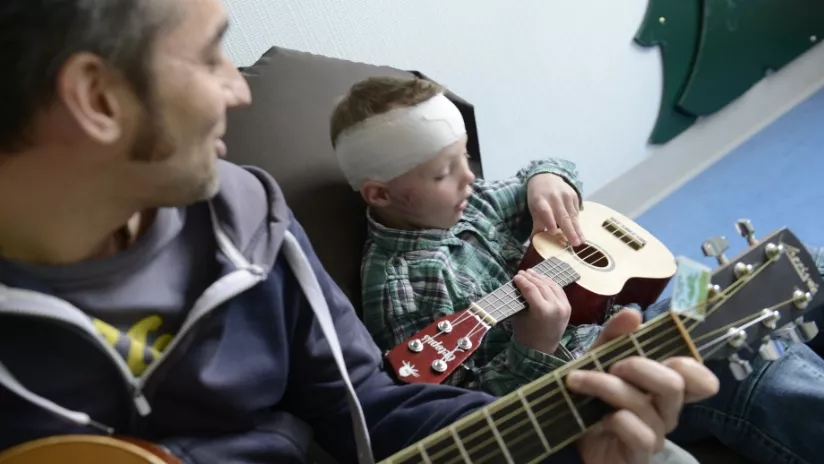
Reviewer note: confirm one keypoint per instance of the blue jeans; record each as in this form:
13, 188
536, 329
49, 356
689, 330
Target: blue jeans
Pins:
776, 414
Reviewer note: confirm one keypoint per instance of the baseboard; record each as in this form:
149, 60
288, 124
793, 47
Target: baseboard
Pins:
666, 168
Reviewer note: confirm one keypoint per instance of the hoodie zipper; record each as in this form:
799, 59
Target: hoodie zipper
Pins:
224, 289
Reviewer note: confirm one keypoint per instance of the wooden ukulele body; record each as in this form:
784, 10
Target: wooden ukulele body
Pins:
619, 270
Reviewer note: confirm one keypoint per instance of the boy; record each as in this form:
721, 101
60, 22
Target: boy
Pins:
439, 239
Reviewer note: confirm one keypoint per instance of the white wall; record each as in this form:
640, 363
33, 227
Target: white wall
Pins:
548, 78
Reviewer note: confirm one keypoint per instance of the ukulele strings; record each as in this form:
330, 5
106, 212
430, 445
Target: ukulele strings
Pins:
498, 311
725, 294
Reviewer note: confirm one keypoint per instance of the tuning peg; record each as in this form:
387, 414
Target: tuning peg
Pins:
806, 330
740, 368
745, 228
715, 247
770, 349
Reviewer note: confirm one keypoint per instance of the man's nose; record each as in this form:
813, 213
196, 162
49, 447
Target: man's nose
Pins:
237, 89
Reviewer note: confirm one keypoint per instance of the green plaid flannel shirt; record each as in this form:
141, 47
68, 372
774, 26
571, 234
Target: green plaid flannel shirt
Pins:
413, 277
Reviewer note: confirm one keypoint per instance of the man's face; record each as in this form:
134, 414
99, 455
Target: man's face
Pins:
175, 139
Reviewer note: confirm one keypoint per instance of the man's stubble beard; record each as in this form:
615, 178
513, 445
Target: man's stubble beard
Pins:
153, 144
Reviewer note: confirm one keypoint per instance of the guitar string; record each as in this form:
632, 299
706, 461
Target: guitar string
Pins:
553, 405
653, 326
728, 292
725, 295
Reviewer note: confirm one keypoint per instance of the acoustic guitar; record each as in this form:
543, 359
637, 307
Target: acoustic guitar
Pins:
619, 263
767, 288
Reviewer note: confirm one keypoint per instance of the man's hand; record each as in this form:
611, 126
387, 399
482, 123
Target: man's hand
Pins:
540, 327
554, 207
648, 397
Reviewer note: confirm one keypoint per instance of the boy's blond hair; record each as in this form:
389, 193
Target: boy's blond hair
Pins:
378, 95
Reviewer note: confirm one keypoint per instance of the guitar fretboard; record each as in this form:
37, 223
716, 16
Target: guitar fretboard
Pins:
507, 300
543, 416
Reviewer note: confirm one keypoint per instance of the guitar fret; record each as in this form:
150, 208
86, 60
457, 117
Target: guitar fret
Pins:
637, 345
459, 444
569, 401
542, 416
424, 455
478, 440
517, 432
534, 420
498, 436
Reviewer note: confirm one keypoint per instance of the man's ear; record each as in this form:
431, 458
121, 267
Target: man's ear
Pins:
90, 90
375, 194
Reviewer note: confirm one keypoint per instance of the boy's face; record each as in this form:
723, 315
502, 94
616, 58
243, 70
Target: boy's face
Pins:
432, 195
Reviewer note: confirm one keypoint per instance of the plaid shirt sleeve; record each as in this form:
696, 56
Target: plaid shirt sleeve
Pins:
518, 365
507, 198
400, 300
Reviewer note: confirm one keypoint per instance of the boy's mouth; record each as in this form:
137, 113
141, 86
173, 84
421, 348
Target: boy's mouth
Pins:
462, 205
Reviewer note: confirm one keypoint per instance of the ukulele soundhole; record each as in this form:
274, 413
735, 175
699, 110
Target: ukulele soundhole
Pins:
593, 256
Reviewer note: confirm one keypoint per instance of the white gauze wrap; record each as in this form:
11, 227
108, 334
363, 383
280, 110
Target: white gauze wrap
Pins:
388, 145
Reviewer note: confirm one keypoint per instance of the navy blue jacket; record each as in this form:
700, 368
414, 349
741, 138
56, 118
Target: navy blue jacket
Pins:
249, 378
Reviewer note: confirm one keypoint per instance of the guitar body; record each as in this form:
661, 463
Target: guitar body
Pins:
620, 263
87, 449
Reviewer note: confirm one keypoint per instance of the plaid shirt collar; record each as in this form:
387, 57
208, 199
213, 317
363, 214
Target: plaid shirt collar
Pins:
408, 240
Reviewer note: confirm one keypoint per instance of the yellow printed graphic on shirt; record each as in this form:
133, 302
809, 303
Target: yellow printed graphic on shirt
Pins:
135, 345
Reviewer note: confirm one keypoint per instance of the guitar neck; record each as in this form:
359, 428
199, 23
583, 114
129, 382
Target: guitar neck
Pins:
542, 417
507, 300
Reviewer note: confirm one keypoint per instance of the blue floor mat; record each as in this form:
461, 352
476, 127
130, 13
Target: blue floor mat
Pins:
774, 179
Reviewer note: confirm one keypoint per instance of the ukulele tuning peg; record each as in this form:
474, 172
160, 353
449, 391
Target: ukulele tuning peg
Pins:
770, 349
745, 228
715, 247
740, 368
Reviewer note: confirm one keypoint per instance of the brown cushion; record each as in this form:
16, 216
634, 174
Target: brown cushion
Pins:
286, 132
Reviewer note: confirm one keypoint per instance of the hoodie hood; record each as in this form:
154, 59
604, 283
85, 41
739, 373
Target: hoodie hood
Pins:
252, 211
249, 219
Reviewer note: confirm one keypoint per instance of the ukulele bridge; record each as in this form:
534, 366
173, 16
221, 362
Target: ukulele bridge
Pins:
624, 233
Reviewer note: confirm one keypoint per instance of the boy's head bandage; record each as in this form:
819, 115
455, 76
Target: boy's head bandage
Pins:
391, 144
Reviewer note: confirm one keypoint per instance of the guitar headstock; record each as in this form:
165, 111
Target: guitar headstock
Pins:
761, 293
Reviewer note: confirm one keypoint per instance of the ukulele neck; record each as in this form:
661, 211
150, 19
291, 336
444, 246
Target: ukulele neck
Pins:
506, 301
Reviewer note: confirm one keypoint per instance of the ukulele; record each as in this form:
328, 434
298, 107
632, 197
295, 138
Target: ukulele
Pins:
765, 289
619, 263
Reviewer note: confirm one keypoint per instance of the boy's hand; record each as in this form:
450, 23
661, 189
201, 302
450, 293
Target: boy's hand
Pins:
554, 207
541, 326
648, 396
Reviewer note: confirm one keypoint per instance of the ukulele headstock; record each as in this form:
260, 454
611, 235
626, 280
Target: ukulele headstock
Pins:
762, 293
433, 354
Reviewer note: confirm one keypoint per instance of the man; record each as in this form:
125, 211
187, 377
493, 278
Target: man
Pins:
150, 290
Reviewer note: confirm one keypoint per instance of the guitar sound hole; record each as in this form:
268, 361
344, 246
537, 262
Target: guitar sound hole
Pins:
591, 255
